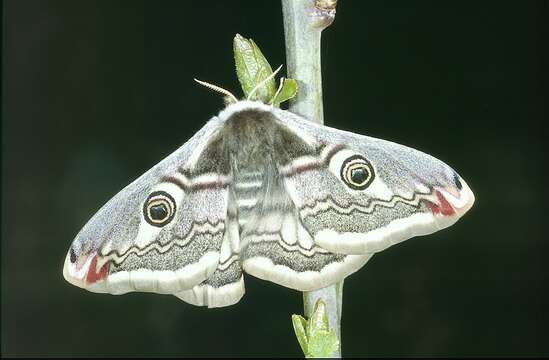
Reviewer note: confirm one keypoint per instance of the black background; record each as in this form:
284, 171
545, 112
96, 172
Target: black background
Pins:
96, 92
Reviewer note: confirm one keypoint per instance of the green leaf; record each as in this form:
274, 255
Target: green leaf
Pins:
323, 344
314, 335
252, 68
319, 318
286, 91
300, 324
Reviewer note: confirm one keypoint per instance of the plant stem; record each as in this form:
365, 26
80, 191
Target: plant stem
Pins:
304, 21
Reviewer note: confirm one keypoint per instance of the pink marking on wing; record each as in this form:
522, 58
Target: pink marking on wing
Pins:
93, 275
454, 192
443, 207
80, 262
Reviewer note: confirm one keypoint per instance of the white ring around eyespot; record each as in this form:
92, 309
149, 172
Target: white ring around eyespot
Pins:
160, 201
354, 164
155, 198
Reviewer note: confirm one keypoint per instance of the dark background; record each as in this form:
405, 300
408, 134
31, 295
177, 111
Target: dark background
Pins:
96, 92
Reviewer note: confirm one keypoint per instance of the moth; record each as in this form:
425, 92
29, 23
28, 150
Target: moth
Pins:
262, 191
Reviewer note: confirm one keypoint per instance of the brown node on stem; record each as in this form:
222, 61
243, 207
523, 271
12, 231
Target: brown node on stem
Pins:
325, 4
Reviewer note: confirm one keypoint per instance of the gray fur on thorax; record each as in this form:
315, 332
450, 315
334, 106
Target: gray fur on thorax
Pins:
256, 145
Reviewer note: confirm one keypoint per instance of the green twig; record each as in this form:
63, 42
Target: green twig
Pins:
304, 21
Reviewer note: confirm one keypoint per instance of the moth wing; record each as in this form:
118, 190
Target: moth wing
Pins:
276, 246
225, 286
410, 193
119, 250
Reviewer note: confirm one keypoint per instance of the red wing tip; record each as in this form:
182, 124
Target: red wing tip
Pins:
451, 203
93, 275
84, 272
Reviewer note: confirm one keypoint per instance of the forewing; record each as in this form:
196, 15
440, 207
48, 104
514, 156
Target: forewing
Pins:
409, 193
162, 233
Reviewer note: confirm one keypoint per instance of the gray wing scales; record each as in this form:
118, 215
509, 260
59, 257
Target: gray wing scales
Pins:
274, 245
225, 286
409, 193
267, 192
277, 247
162, 233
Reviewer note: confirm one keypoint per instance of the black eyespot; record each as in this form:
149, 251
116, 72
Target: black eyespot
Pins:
359, 175
72, 256
357, 172
158, 212
458, 182
159, 208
